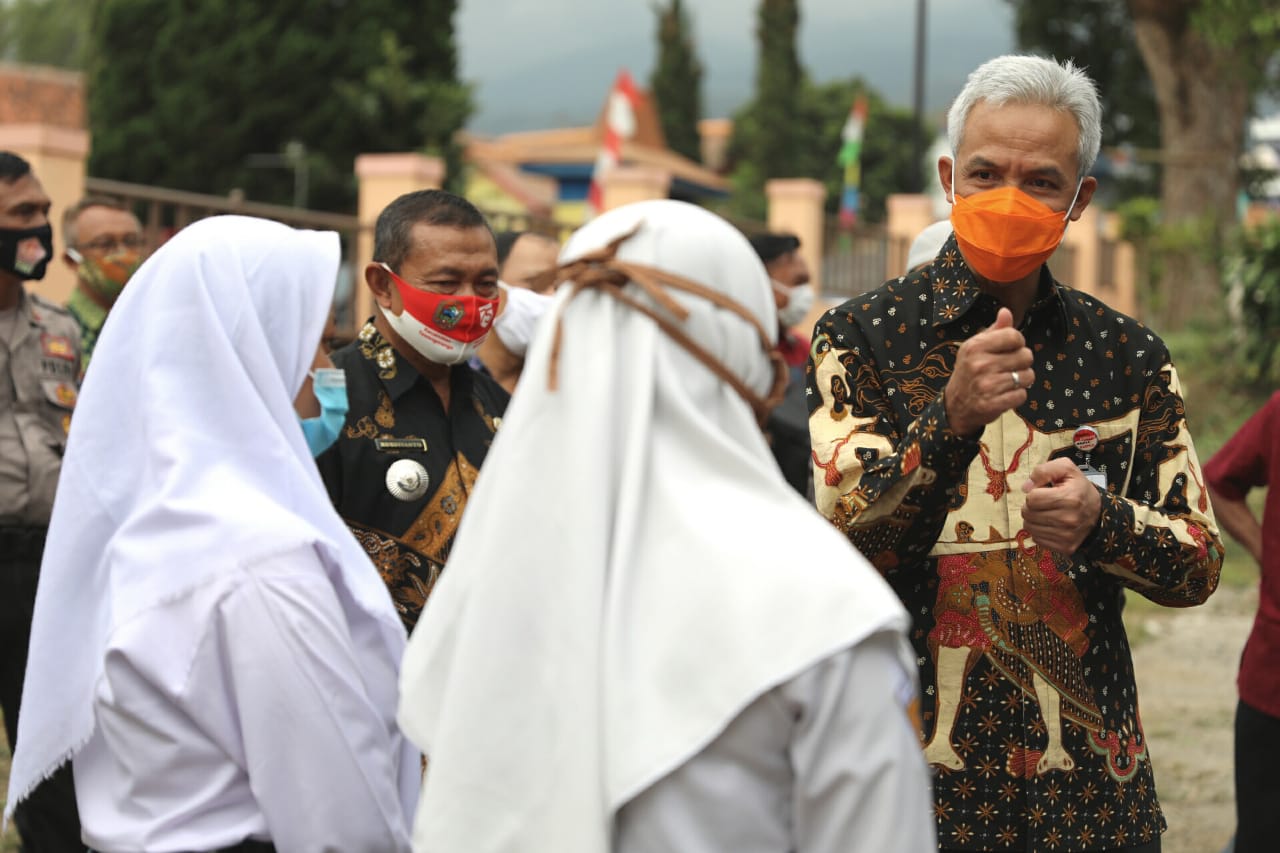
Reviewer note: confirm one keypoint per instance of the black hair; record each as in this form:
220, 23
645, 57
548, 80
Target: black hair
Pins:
392, 234
770, 246
506, 240
12, 167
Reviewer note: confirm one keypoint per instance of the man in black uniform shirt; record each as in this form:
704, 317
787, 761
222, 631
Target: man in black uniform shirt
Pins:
420, 420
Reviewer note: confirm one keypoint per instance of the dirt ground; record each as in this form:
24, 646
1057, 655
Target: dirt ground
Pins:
1186, 662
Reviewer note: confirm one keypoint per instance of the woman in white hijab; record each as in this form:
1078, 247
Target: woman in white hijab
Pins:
645, 640
210, 646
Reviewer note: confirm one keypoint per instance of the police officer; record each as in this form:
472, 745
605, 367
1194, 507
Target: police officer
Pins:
39, 360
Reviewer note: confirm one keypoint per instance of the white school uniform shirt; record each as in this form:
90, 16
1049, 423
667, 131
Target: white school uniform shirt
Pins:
823, 763
210, 647
272, 735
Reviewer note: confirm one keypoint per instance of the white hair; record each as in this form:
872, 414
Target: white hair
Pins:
1033, 80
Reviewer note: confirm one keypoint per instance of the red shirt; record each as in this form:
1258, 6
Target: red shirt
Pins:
794, 348
1251, 458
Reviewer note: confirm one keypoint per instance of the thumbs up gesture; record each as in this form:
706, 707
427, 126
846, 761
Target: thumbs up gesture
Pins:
991, 375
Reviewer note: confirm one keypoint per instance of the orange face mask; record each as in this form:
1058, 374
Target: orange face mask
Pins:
1005, 234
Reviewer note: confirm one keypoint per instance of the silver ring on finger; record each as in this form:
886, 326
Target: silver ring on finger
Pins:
1017, 380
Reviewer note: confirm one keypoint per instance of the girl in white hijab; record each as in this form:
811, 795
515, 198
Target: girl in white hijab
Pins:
645, 640
210, 647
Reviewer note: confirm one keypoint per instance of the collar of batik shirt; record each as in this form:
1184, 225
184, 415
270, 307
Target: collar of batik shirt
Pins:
956, 290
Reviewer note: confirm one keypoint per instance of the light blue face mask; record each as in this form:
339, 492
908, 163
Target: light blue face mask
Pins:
330, 387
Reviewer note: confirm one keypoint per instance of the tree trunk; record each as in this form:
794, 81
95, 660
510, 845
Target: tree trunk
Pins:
1203, 105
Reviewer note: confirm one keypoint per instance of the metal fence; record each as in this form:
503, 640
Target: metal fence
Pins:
1062, 263
164, 212
859, 260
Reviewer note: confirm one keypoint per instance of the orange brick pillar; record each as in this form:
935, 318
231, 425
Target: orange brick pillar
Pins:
908, 215
795, 207
1084, 237
628, 184
383, 178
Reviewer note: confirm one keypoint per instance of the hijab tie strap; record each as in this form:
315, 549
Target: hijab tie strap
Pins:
602, 271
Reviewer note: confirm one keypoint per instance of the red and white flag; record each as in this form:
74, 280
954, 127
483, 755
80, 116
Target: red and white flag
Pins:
619, 125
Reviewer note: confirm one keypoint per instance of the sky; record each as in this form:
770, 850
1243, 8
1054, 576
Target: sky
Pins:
549, 63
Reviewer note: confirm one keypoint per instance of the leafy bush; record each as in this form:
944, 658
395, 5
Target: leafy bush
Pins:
1252, 276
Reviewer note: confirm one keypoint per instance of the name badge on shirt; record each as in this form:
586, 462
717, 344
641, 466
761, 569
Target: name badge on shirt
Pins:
395, 445
1093, 475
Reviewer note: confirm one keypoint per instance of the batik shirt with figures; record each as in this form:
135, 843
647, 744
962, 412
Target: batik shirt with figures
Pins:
401, 471
1031, 715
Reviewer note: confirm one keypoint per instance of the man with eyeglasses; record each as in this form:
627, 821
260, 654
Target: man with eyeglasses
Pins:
104, 247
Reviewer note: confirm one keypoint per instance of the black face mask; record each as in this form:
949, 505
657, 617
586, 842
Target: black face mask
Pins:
26, 252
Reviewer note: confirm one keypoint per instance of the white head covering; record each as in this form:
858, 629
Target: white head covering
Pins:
186, 456
632, 570
928, 243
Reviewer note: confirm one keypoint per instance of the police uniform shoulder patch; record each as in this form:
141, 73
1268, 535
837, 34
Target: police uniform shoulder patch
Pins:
58, 321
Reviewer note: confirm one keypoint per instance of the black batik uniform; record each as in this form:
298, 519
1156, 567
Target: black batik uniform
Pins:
1022, 653
394, 414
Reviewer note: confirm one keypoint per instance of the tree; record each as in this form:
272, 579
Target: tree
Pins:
1098, 35
676, 82
1206, 60
887, 165
767, 130
779, 84
431, 109
45, 32
791, 129
184, 98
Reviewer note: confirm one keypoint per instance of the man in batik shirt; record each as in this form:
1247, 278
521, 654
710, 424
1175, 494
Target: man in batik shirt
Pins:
420, 420
1011, 454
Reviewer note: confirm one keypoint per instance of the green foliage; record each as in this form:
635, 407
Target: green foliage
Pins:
769, 132
1252, 275
427, 109
888, 161
676, 82
746, 200
1161, 245
45, 32
792, 129
1249, 30
182, 95
887, 164
1139, 219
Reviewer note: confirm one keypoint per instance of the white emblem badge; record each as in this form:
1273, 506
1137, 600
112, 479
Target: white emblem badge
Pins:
407, 480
